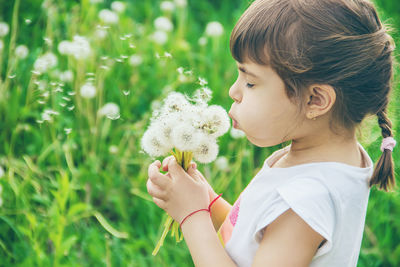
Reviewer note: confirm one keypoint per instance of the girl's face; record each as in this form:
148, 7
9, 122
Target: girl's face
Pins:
261, 107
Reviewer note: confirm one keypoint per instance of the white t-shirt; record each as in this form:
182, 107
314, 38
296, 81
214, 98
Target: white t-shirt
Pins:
330, 197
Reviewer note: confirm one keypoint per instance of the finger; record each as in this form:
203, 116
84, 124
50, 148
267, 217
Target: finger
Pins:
165, 163
154, 190
154, 168
193, 173
160, 203
174, 168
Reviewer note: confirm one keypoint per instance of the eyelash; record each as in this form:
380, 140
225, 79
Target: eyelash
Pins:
249, 85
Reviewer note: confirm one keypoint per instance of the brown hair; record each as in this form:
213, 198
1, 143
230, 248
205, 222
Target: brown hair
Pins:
337, 42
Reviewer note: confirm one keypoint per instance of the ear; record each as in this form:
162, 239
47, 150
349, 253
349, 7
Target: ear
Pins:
320, 99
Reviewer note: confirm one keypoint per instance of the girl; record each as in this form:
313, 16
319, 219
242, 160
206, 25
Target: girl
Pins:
309, 72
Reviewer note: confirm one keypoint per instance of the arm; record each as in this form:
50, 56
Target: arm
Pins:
287, 241
219, 211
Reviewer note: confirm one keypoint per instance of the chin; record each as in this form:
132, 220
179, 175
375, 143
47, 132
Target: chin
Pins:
263, 142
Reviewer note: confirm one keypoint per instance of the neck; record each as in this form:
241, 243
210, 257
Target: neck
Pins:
322, 147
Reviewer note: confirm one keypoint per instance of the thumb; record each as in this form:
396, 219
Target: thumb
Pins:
174, 168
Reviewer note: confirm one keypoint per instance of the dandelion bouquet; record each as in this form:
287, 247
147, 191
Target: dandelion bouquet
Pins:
187, 128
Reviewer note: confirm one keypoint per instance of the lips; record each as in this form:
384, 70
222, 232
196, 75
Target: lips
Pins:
234, 122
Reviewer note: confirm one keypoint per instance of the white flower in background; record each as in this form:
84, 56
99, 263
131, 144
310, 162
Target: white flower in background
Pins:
110, 110
108, 17
100, 33
66, 76
167, 6
163, 24
222, 163
202, 41
4, 29
2, 173
214, 29
236, 133
113, 149
118, 6
45, 62
79, 47
207, 150
21, 51
88, 91
160, 37
180, 3
135, 60
1, 45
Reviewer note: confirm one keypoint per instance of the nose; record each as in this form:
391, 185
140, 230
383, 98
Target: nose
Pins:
234, 92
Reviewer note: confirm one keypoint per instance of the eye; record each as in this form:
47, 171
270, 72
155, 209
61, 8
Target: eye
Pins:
249, 85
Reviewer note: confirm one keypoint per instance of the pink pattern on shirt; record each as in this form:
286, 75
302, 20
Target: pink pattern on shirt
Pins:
235, 212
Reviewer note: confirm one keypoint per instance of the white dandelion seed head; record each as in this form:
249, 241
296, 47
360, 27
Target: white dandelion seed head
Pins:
180, 3
207, 150
113, 149
45, 62
160, 37
215, 121
135, 60
4, 29
202, 96
88, 91
185, 137
65, 47
163, 24
152, 144
164, 128
118, 6
80, 48
222, 163
236, 133
214, 29
108, 17
167, 6
21, 51
175, 102
109, 110
2, 173
202, 41
66, 76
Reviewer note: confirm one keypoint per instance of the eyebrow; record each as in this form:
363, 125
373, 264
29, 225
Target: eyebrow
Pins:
248, 73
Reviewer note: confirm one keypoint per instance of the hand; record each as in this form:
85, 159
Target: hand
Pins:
211, 192
178, 192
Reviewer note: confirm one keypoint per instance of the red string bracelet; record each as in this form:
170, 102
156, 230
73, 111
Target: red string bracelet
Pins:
208, 210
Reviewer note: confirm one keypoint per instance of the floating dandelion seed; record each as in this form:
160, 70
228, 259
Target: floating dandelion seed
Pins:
12, 76
132, 46
63, 104
202, 81
71, 93
4, 29
167, 55
28, 21
67, 130
66, 98
214, 29
126, 92
113, 149
41, 102
71, 108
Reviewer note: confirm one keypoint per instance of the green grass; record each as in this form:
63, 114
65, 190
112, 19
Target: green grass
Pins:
68, 199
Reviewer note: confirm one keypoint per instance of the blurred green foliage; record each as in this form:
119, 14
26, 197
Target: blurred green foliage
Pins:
72, 198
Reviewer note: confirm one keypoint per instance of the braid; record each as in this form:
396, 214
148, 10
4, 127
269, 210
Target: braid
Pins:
383, 175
